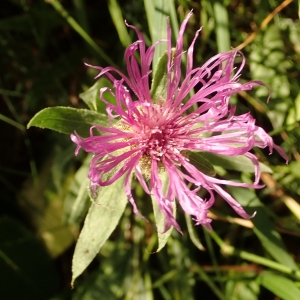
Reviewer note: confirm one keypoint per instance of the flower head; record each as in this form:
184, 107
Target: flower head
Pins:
151, 136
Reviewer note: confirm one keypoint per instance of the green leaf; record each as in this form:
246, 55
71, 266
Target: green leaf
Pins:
100, 222
160, 217
67, 120
192, 232
271, 239
279, 285
264, 227
269, 63
64, 13
160, 79
244, 288
77, 200
294, 112
201, 163
107, 282
117, 17
294, 168
114, 279
237, 163
12, 122
222, 26
157, 12
91, 97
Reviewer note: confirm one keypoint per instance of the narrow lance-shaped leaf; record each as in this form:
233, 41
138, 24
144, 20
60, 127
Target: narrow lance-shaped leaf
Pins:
77, 200
160, 217
100, 222
222, 26
281, 286
264, 227
201, 163
192, 233
160, 78
67, 120
237, 163
157, 11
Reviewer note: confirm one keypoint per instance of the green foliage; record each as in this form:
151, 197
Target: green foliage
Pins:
264, 227
281, 286
156, 12
237, 163
159, 217
45, 189
222, 26
101, 220
77, 200
159, 83
91, 96
67, 120
202, 164
244, 288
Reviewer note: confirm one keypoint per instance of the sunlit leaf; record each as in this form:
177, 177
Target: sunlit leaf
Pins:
294, 167
264, 227
269, 63
100, 222
67, 120
160, 78
157, 12
222, 26
294, 112
117, 17
160, 217
237, 163
280, 286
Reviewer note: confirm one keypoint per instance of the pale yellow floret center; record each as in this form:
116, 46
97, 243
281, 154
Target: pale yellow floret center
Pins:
145, 161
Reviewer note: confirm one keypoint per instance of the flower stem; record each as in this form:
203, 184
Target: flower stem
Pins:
60, 9
229, 250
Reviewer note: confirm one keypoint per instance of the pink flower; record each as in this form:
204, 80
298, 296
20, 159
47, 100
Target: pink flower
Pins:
154, 136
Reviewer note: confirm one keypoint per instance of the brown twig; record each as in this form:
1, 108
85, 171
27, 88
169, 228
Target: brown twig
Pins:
278, 193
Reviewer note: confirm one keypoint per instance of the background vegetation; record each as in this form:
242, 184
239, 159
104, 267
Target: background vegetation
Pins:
43, 45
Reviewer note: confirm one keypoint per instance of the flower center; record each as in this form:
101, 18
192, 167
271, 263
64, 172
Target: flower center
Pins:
155, 135
155, 145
